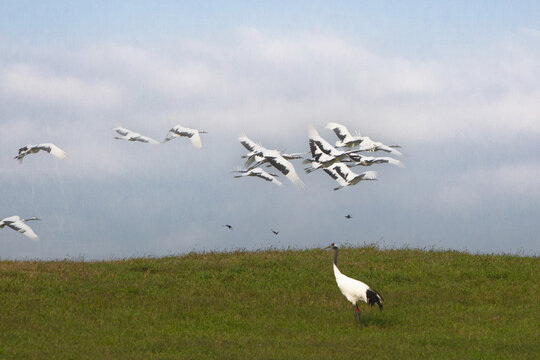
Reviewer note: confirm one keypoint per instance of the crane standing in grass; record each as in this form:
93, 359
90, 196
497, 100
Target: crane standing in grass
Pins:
355, 290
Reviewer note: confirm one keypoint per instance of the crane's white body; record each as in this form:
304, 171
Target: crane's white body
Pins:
129, 135
48, 147
18, 224
192, 134
354, 290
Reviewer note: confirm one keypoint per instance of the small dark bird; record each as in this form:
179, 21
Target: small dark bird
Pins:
348, 216
275, 232
228, 226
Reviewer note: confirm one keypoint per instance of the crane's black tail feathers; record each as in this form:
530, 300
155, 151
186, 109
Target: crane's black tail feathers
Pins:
374, 298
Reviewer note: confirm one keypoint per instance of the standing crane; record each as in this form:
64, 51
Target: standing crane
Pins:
18, 224
354, 290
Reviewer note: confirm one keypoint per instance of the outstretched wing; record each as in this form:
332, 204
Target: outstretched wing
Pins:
340, 130
284, 166
23, 229
320, 143
122, 131
264, 175
53, 150
343, 171
333, 173
250, 145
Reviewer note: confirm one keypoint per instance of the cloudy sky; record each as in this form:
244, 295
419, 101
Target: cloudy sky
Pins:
457, 86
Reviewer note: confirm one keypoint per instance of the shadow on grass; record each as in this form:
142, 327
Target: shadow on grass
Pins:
373, 321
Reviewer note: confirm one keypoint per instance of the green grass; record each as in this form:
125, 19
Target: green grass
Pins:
272, 304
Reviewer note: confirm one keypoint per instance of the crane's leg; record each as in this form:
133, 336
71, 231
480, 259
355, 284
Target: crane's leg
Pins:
355, 317
358, 315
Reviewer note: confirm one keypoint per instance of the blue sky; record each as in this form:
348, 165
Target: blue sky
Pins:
455, 84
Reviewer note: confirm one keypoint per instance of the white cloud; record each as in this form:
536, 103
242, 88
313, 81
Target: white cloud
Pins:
32, 84
506, 182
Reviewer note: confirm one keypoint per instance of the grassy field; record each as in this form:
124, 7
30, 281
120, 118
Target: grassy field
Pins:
272, 304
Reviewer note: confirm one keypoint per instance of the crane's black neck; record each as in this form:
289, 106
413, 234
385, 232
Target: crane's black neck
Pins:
335, 255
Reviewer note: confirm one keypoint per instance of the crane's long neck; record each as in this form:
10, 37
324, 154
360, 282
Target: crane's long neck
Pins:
335, 256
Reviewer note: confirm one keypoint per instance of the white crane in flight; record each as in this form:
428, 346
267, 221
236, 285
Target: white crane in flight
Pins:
261, 155
354, 290
18, 224
260, 173
346, 139
48, 147
192, 134
256, 149
346, 177
129, 135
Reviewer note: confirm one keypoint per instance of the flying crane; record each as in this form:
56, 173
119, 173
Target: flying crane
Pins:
275, 158
18, 224
192, 134
364, 143
129, 135
260, 173
346, 177
48, 147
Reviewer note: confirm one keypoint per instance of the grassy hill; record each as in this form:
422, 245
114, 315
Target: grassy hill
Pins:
271, 304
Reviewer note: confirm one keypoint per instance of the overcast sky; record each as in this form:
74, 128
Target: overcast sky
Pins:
457, 86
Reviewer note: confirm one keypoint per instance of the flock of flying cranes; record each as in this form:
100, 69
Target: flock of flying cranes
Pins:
335, 161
